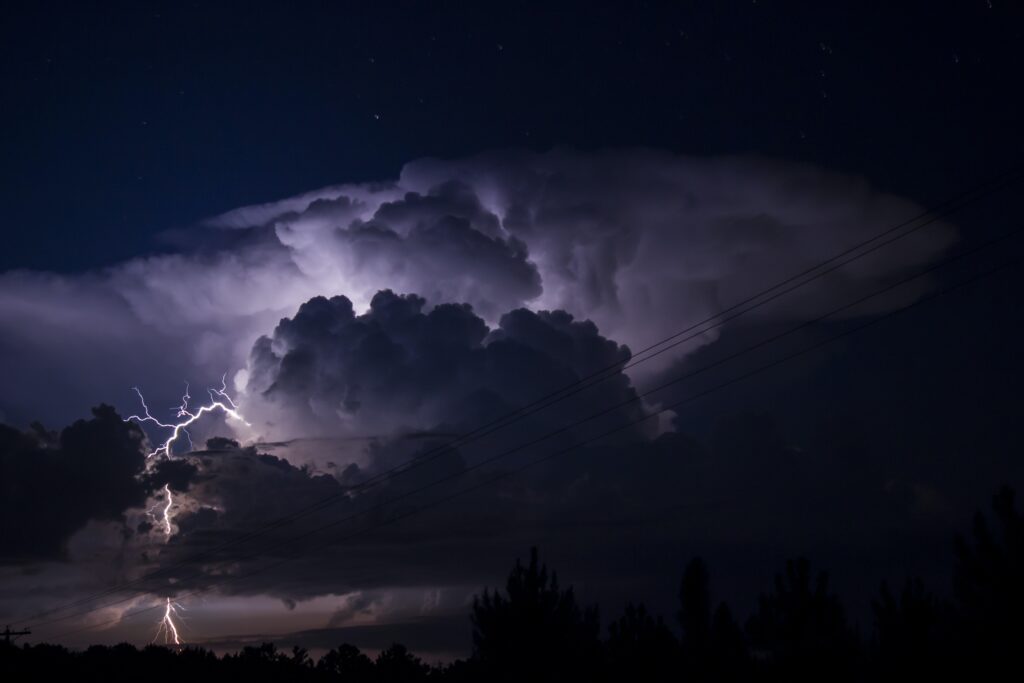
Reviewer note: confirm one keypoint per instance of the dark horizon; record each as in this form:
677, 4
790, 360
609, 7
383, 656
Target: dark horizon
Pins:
535, 626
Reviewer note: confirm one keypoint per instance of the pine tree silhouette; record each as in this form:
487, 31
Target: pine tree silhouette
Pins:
397, 665
912, 634
348, 663
800, 629
536, 631
712, 646
988, 583
641, 647
695, 609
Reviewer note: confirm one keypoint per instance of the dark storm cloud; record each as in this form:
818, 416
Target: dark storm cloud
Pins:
745, 486
399, 365
439, 370
53, 484
651, 501
618, 520
176, 474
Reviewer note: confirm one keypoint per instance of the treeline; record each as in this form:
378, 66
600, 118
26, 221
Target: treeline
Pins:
536, 631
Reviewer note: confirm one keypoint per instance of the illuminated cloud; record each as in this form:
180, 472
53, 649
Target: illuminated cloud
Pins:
640, 242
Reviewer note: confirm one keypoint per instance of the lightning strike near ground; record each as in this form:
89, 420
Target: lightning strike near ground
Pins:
166, 626
219, 400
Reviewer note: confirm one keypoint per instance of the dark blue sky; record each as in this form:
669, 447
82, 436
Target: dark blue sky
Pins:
125, 121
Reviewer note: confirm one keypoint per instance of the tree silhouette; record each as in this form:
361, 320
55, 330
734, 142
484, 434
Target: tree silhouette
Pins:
800, 629
536, 631
695, 609
912, 633
348, 663
397, 665
988, 583
300, 658
728, 659
264, 653
266, 663
641, 647
712, 647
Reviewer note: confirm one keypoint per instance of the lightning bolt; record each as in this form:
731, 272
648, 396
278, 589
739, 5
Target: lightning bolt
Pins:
185, 416
219, 400
166, 626
166, 514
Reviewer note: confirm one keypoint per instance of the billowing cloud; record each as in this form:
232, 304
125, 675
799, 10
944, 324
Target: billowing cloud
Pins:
426, 374
436, 371
53, 484
400, 367
640, 242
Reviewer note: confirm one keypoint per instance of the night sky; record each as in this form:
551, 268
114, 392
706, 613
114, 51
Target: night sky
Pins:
388, 224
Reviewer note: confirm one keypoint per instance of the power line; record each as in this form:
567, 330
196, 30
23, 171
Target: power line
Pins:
7, 633
697, 329
619, 405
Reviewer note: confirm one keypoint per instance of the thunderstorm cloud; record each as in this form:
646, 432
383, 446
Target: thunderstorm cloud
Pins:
640, 242
364, 326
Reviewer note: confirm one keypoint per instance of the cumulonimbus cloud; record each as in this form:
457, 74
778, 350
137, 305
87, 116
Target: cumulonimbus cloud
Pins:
434, 302
640, 242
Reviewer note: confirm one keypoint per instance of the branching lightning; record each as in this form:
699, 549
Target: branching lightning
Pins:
166, 626
167, 629
185, 416
219, 400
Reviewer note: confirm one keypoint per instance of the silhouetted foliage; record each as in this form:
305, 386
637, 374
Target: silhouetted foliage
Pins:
695, 610
397, 665
800, 629
536, 631
988, 584
640, 647
712, 647
348, 663
728, 656
912, 633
